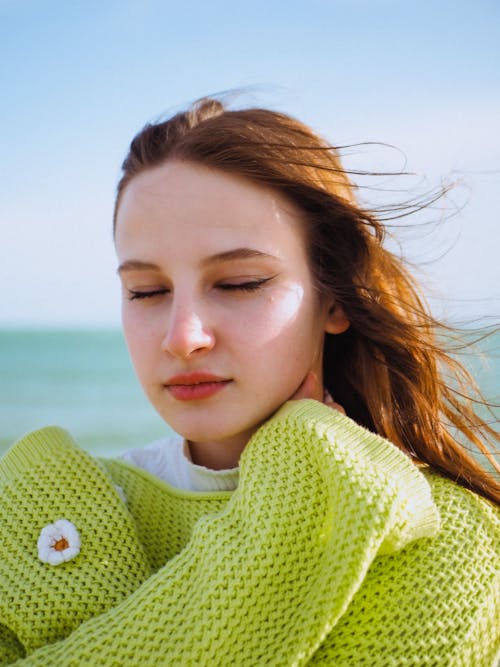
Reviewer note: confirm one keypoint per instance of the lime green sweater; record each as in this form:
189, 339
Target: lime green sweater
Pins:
334, 550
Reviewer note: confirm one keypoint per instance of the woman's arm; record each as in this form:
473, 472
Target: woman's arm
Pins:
270, 576
436, 602
45, 478
10, 647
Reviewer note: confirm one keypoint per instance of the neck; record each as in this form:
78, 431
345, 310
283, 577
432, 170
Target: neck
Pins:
219, 455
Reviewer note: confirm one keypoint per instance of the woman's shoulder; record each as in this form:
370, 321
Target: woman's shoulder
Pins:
463, 511
435, 601
467, 548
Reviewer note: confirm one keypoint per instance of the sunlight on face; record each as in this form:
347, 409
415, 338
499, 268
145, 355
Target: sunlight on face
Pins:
219, 309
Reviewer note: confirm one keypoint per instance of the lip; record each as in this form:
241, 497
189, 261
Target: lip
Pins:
195, 377
195, 386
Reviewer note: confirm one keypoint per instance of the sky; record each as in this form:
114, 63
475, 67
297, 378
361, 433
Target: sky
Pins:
79, 79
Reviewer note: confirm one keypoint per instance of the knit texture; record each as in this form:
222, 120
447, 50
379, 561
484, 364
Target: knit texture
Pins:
328, 553
40, 481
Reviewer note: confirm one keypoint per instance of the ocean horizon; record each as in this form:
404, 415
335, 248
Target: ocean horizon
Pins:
83, 381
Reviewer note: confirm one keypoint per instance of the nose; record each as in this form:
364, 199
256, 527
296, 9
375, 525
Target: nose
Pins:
186, 333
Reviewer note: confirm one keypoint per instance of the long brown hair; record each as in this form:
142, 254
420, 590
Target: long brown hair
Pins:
388, 369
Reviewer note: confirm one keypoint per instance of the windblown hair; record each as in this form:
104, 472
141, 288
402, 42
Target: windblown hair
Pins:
388, 369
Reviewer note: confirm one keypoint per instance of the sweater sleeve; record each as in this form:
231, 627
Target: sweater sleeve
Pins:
44, 478
436, 602
10, 647
266, 579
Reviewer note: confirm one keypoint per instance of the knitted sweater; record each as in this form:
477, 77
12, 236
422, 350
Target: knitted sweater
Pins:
334, 550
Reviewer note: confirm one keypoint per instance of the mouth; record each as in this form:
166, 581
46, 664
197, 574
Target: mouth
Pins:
195, 386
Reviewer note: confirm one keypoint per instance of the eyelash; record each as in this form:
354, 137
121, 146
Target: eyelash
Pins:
145, 295
251, 286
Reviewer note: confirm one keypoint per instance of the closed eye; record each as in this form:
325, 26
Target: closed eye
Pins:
249, 286
133, 295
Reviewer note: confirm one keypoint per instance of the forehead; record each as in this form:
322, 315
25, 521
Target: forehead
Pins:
181, 202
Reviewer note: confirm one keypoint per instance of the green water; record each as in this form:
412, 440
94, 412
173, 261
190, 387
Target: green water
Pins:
81, 380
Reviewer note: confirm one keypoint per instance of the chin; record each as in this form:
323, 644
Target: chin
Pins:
204, 423
199, 431
202, 432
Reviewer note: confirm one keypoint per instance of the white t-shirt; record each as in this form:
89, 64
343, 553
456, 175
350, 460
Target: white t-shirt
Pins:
169, 460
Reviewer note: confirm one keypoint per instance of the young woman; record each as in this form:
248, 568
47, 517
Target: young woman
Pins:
278, 527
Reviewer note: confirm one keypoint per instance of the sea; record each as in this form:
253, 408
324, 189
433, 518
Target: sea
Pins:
83, 381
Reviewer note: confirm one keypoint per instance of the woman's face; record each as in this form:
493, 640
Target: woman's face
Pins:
219, 309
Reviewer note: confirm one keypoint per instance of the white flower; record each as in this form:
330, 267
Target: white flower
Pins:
58, 542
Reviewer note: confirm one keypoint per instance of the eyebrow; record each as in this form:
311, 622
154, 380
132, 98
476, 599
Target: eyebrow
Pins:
218, 258
137, 265
237, 253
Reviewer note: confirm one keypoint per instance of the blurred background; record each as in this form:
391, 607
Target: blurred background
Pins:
78, 79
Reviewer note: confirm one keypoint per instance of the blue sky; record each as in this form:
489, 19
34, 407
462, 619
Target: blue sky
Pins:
78, 79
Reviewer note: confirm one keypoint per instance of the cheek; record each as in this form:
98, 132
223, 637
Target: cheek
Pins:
285, 326
130, 328
139, 341
278, 315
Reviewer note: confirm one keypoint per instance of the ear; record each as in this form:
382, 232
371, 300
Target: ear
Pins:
336, 321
